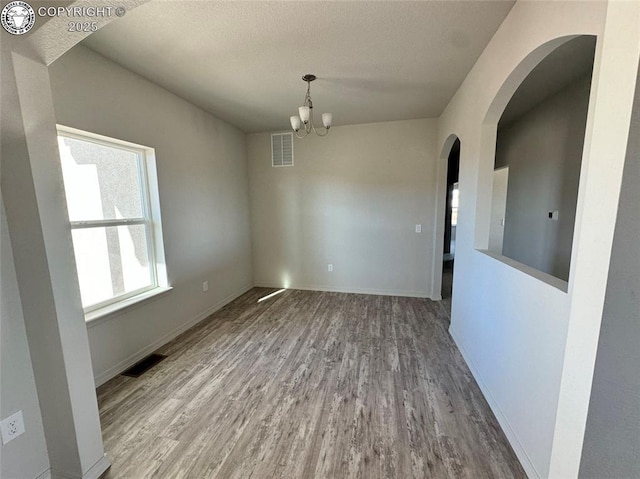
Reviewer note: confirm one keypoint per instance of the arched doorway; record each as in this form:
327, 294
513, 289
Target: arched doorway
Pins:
450, 219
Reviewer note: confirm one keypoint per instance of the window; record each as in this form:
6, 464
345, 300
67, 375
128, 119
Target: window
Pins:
455, 198
111, 193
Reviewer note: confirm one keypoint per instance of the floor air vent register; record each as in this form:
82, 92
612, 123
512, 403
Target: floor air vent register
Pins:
143, 365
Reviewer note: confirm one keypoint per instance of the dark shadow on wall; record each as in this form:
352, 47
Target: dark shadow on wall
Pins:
612, 437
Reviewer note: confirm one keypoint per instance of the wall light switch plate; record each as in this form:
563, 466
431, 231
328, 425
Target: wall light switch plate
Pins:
553, 215
418, 228
205, 286
330, 268
12, 427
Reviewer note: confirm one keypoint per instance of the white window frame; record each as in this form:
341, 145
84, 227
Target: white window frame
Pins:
151, 220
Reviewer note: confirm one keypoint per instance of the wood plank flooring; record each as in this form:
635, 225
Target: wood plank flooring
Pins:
307, 385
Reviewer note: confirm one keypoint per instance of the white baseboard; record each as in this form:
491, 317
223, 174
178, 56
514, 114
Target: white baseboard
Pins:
512, 437
378, 292
112, 372
45, 475
94, 472
98, 469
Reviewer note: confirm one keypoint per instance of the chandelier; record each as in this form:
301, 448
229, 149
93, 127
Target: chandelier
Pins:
305, 120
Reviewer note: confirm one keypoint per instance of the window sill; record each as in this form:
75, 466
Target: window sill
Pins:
557, 283
98, 314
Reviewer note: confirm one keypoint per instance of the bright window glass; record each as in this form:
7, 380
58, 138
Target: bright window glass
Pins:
455, 197
107, 191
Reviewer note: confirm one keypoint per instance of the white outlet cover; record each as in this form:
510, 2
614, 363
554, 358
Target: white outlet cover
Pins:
205, 286
418, 228
12, 427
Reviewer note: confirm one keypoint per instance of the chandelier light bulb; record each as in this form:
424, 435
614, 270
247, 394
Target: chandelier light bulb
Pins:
326, 120
304, 114
295, 122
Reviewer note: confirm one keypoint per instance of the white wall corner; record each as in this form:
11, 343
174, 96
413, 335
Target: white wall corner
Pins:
613, 89
43, 255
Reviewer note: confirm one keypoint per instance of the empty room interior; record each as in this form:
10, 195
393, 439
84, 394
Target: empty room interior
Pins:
359, 239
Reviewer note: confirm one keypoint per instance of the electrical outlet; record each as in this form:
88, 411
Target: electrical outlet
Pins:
418, 228
330, 268
205, 286
12, 427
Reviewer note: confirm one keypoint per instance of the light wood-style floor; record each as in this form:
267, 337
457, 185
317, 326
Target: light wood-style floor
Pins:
307, 385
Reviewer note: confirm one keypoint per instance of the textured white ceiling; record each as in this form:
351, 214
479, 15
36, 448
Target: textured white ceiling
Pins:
242, 61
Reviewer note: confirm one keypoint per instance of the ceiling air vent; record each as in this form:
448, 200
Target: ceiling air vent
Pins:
282, 149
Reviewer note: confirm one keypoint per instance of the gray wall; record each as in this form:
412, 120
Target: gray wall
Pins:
612, 438
351, 199
26, 456
203, 183
543, 149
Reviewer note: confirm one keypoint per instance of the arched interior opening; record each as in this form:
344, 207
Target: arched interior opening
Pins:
450, 219
539, 141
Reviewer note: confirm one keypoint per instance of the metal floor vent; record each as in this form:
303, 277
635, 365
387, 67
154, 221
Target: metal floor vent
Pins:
144, 365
